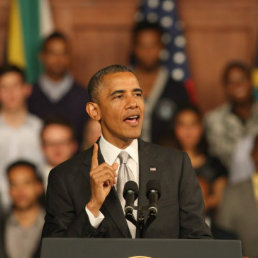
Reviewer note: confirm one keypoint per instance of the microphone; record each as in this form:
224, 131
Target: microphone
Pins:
153, 194
130, 194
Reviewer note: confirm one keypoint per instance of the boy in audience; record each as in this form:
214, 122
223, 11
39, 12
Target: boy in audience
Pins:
19, 130
58, 144
238, 211
56, 92
20, 231
237, 118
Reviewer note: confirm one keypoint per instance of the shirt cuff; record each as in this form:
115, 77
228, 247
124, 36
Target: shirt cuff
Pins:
94, 221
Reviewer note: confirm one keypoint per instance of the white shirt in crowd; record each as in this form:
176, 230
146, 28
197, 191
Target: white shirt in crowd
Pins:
18, 143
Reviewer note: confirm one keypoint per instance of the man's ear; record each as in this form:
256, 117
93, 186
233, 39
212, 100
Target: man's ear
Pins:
93, 110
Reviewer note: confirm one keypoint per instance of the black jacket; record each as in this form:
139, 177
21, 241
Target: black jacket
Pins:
180, 212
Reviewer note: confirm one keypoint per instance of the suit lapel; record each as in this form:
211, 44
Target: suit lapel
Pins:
147, 170
112, 204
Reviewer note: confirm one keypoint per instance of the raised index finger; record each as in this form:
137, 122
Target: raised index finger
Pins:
94, 158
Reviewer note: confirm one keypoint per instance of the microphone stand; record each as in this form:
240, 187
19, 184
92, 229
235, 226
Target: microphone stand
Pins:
140, 223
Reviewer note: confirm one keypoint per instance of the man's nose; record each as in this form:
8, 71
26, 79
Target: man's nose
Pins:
131, 103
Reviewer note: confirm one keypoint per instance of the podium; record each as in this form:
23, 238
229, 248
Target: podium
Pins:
125, 248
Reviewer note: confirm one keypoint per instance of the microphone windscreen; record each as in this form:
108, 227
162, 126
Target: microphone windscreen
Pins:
153, 185
131, 186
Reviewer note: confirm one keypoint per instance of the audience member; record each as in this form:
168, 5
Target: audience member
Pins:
189, 137
92, 133
162, 94
58, 144
56, 92
238, 211
241, 166
237, 118
21, 229
19, 130
217, 231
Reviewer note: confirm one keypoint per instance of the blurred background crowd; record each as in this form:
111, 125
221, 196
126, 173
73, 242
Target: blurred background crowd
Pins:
197, 64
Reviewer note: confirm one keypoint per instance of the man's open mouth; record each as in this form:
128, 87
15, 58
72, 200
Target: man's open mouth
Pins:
132, 120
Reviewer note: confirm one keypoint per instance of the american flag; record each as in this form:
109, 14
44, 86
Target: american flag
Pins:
174, 55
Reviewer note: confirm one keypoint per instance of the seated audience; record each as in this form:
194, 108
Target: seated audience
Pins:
92, 133
20, 230
162, 94
56, 92
189, 137
238, 210
237, 118
58, 144
19, 130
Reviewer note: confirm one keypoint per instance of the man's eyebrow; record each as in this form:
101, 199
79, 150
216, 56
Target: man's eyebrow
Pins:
116, 92
122, 91
137, 90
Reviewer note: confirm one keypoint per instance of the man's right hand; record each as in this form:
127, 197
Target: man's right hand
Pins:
102, 178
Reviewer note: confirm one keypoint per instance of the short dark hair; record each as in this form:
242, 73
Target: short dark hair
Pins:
58, 120
55, 35
145, 25
10, 68
26, 163
235, 65
98, 77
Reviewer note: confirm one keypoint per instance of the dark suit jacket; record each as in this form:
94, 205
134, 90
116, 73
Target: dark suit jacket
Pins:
180, 212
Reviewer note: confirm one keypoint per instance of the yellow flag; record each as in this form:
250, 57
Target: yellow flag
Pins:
15, 45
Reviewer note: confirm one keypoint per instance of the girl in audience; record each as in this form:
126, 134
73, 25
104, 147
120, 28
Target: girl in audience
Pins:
189, 136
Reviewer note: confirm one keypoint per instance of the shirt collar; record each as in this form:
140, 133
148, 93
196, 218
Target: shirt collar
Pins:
56, 90
110, 152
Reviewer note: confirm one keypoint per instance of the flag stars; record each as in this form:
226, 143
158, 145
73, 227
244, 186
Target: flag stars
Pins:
166, 38
179, 57
153, 3
180, 41
166, 21
168, 5
164, 55
177, 74
152, 17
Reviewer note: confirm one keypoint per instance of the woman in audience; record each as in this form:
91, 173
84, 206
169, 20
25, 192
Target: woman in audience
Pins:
189, 137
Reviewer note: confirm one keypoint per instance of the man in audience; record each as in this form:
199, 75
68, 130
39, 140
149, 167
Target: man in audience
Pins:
162, 94
237, 118
58, 144
238, 211
20, 231
56, 92
19, 130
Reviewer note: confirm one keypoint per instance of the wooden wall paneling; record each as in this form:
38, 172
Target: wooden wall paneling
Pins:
99, 32
217, 32
4, 14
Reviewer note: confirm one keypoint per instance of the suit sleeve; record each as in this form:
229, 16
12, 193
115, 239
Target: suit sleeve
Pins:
191, 205
61, 219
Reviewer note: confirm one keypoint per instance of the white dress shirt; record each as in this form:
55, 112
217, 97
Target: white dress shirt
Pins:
110, 154
15, 144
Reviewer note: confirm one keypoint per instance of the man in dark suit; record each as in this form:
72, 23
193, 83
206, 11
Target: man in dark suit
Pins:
82, 196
